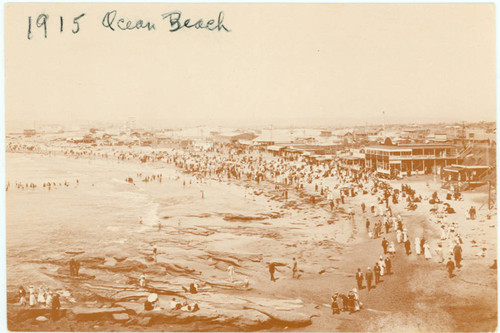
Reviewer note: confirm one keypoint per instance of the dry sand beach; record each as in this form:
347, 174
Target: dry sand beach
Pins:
208, 225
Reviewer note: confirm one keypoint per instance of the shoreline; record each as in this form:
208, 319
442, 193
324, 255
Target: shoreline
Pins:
323, 284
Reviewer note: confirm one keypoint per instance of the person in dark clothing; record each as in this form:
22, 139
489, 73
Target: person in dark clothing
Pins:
385, 244
335, 305
450, 266
457, 253
148, 306
350, 297
77, 267
272, 269
345, 303
72, 267
408, 247
367, 225
376, 270
56, 305
369, 278
388, 265
192, 289
363, 207
359, 279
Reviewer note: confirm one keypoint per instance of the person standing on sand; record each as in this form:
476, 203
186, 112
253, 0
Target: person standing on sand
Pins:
439, 253
363, 207
369, 278
272, 269
385, 244
335, 305
444, 236
405, 235
22, 296
56, 305
427, 251
367, 225
72, 267
294, 269
422, 242
457, 253
408, 247
417, 246
359, 279
376, 270
155, 252
32, 296
230, 271
77, 267
450, 266
381, 263
392, 248
388, 265
387, 225
142, 281
345, 302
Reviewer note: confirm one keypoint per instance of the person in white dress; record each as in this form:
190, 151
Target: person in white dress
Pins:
439, 253
32, 296
230, 271
357, 304
41, 296
142, 281
443, 233
381, 263
417, 246
399, 236
392, 248
427, 251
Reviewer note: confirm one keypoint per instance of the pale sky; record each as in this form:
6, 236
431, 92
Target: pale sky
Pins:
322, 64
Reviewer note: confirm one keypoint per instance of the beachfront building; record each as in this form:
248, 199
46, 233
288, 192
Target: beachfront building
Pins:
354, 162
469, 175
400, 160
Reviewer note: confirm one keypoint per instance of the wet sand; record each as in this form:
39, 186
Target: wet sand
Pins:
244, 224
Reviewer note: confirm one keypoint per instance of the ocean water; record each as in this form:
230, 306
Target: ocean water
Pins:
101, 212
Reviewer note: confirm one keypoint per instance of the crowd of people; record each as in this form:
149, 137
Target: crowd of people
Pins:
330, 183
44, 298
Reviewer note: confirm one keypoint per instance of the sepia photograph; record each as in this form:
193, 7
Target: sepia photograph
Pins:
237, 167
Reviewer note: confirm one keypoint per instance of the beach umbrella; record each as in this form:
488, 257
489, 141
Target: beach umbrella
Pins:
152, 297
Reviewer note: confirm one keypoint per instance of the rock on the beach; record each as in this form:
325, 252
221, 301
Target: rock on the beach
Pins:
244, 319
41, 319
289, 318
145, 321
83, 313
120, 316
132, 307
128, 266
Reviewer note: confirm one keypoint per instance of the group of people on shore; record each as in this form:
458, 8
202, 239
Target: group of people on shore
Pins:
44, 298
